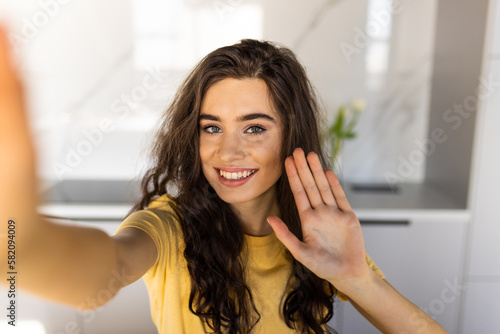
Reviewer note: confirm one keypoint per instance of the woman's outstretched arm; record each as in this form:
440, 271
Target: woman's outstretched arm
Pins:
333, 248
79, 266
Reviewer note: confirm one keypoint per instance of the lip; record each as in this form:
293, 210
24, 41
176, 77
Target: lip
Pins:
234, 169
234, 183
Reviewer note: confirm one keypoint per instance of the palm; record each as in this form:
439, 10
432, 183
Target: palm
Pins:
332, 245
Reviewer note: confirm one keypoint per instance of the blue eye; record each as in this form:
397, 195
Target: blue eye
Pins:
257, 130
205, 129
253, 130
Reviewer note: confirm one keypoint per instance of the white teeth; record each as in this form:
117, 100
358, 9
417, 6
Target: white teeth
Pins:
236, 176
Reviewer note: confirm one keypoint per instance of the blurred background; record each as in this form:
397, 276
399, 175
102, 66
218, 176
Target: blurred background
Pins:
421, 172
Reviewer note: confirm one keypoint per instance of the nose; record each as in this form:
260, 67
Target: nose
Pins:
231, 147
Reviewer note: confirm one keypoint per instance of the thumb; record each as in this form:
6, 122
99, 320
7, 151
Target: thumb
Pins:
294, 245
297, 248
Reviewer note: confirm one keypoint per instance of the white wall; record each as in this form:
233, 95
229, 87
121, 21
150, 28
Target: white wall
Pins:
89, 56
481, 303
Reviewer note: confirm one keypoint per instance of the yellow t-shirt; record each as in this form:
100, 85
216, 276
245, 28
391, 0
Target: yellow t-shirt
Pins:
168, 281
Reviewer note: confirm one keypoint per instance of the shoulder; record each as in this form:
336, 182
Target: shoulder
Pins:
160, 220
165, 202
160, 209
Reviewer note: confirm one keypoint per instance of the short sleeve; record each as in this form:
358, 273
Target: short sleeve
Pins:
374, 267
162, 224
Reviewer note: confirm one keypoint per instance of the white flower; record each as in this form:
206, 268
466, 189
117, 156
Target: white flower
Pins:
358, 105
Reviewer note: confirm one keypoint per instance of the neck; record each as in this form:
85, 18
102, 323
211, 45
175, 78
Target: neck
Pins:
253, 215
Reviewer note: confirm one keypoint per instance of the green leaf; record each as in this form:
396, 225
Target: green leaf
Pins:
331, 129
353, 122
339, 123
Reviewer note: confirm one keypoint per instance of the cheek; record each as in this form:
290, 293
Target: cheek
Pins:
269, 152
205, 150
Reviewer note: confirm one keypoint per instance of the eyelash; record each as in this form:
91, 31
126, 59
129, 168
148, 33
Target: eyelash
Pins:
261, 131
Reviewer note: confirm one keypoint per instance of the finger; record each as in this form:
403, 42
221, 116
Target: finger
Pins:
338, 192
299, 250
291, 242
307, 178
320, 178
299, 193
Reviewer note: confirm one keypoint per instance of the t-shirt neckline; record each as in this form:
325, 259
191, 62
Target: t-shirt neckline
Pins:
260, 241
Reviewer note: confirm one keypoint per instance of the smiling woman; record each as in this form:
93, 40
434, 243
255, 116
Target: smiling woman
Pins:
266, 252
244, 107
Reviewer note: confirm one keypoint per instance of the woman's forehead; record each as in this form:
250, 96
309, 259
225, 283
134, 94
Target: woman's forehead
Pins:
234, 99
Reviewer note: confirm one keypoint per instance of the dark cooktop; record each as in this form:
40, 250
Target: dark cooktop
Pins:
100, 192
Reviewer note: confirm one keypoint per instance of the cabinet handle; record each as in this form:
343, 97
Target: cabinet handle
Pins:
372, 222
83, 219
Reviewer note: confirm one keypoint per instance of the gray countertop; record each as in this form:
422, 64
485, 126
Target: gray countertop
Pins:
110, 200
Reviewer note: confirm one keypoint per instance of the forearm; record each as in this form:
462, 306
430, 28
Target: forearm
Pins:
387, 309
69, 264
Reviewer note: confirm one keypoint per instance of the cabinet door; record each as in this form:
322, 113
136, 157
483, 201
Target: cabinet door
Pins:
422, 259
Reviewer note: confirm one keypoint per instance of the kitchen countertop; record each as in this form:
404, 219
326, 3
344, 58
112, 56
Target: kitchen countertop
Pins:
110, 200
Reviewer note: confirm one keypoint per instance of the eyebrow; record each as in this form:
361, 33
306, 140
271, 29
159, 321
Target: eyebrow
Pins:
247, 117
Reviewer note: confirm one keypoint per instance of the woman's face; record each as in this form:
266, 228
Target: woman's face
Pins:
240, 138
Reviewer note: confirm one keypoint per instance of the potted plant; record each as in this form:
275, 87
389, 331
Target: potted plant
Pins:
342, 128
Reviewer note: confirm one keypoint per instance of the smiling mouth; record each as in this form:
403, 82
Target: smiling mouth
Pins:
236, 175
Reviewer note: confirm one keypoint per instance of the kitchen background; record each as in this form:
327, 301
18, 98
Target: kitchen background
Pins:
89, 62
422, 173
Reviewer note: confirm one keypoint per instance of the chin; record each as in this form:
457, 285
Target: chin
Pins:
234, 198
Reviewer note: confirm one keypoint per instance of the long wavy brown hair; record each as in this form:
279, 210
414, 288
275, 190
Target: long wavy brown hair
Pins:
219, 293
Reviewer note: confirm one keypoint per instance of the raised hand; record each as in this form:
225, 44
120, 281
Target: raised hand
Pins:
17, 159
332, 245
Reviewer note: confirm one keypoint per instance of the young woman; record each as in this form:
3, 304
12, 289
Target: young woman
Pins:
255, 237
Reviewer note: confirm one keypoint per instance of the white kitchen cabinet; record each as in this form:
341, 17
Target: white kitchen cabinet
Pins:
482, 308
421, 256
